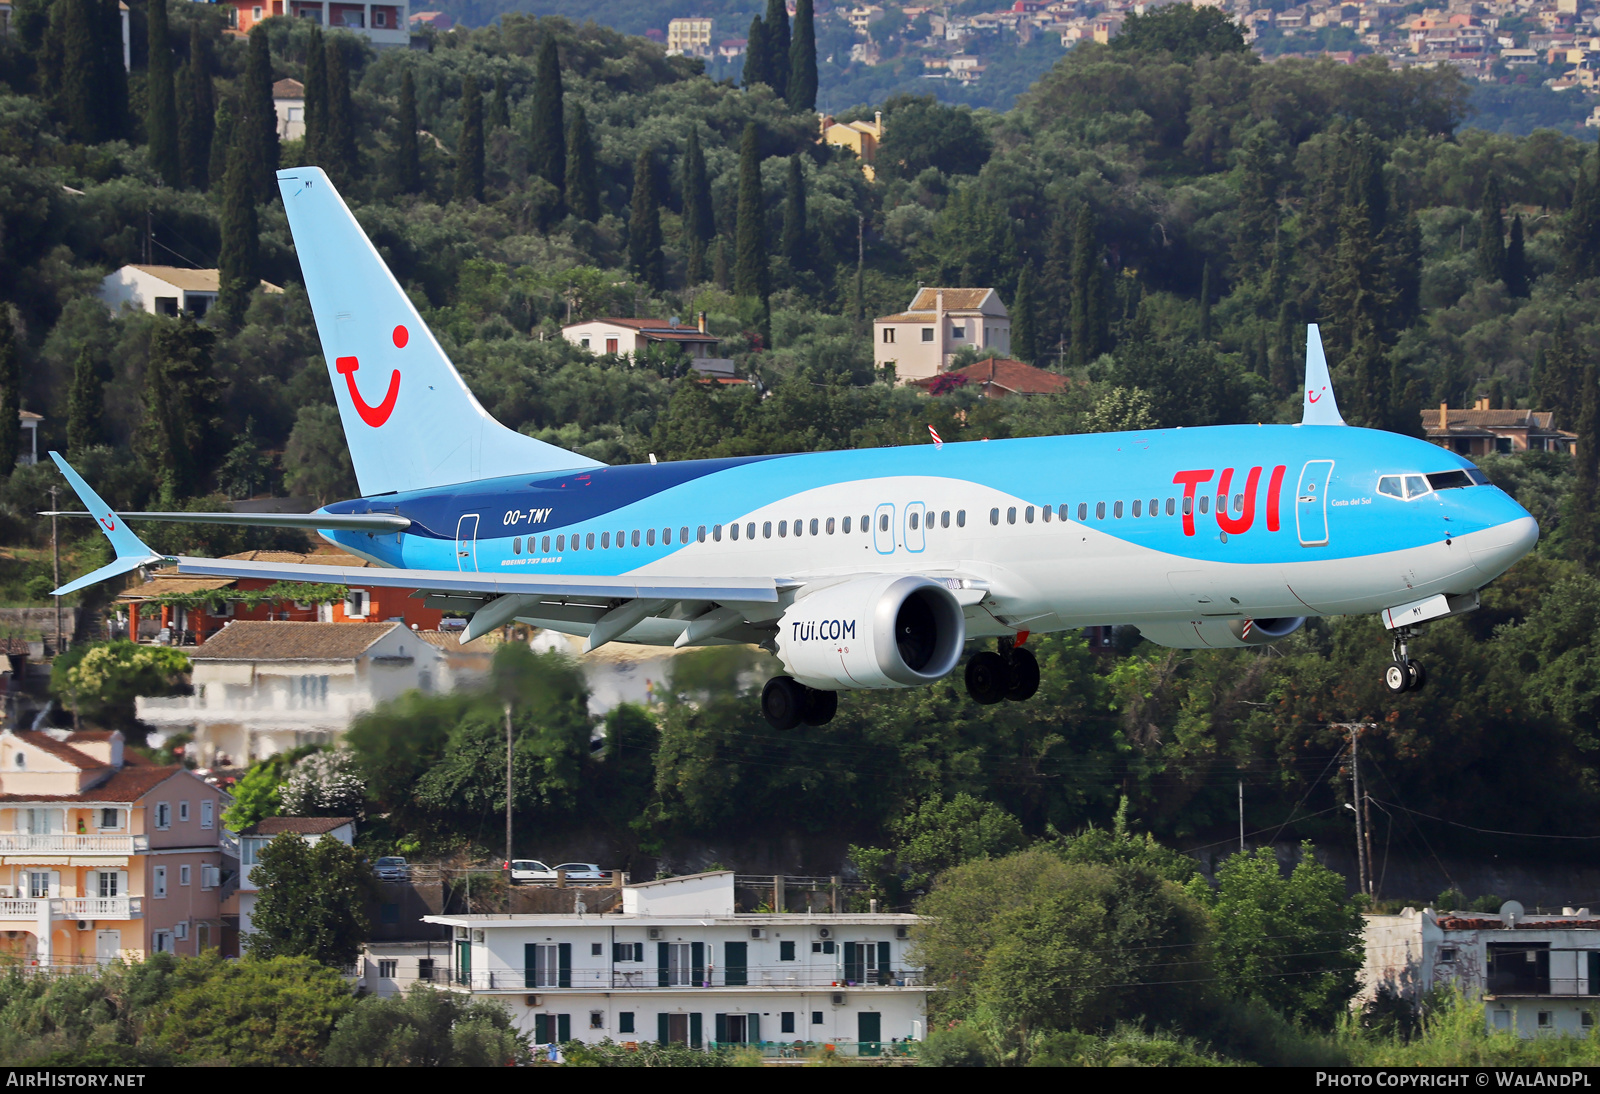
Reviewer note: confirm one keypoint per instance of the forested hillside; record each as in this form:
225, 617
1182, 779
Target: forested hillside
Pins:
1162, 224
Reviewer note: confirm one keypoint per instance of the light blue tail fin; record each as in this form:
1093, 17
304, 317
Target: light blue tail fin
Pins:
1320, 407
410, 421
131, 550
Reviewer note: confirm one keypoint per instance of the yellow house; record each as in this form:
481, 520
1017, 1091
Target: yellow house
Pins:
862, 138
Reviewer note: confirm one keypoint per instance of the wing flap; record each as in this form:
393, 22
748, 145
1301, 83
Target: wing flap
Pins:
381, 523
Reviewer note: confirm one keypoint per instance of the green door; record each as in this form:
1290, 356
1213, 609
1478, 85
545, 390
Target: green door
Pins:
869, 1031
735, 964
463, 961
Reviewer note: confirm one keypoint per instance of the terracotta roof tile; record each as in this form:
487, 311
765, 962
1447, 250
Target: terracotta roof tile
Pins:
954, 299
251, 640
130, 784
59, 749
1008, 375
303, 826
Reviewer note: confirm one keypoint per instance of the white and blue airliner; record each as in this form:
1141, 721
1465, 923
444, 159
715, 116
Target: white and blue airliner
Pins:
871, 568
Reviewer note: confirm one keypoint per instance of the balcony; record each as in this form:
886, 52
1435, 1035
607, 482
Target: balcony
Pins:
78, 907
642, 979
27, 844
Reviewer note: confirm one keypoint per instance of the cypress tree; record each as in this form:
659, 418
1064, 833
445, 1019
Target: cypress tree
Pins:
336, 143
1581, 230
499, 115
179, 434
1491, 234
750, 277
183, 100
777, 43
1053, 290
1555, 375
1205, 302
469, 147
161, 107
583, 176
1263, 363
407, 160
316, 82
86, 401
1024, 318
644, 225
203, 107
1516, 260
548, 146
796, 244
1407, 273
258, 119
1086, 290
223, 137
803, 59
80, 94
238, 265
698, 223
720, 265
10, 394
1581, 523
755, 56
1285, 361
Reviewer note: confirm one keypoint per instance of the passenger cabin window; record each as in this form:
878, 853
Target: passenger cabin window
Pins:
961, 519
830, 526
847, 526
1099, 510
1117, 510
1205, 503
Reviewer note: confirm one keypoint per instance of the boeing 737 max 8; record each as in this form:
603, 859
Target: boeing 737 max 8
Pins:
863, 569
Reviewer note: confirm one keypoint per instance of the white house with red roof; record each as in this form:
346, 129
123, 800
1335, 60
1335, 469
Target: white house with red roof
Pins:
102, 854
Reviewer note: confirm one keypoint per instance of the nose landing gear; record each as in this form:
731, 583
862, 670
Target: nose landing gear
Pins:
1404, 672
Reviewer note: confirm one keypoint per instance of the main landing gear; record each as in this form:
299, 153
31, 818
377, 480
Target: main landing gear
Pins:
1404, 673
1013, 674
787, 703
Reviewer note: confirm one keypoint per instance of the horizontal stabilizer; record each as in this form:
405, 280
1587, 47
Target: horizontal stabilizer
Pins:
132, 552
379, 523
120, 566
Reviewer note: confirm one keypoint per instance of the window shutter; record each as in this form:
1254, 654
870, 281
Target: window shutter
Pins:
638, 951
563, 1027
735, 964
564, 975
697, 956
883, 962
616, 951
1594, 972
661, 974
661, 1025
530, 965
122, 883
55, 883
541, 1029
753, 1029
721, 1024
696, 1035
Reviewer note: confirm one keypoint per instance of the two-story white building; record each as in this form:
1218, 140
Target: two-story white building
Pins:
261, 688
634, 337
241, 903
1536, 974
921, 341
679, 964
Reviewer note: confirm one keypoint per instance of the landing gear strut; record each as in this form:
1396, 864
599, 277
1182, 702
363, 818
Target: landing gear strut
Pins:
787, 703
1013, 674
1404, 673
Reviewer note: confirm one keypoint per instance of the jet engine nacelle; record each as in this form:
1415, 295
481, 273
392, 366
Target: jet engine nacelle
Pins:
890, 631
1258, 632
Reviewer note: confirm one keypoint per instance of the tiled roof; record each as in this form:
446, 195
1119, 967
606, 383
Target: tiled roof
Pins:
130, 784
13, 647
90, 735
251, 640
301, 826
1504, 419
1007, 375
178, 277
59, 749
167, 581
451, 640
288, 89
655, 328
954, 299
1496, 923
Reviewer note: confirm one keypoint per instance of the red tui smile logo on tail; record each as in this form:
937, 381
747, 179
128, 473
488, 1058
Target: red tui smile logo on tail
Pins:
374, 416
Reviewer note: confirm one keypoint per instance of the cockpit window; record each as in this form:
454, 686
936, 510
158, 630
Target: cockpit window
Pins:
1455, 480
1404, 486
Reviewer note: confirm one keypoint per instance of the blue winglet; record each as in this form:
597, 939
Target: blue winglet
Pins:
1320, 407
132, 552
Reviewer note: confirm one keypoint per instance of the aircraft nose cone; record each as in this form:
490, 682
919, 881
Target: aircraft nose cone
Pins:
1494, 549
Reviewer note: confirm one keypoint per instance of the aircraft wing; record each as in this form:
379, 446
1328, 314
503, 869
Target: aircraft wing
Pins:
377, 523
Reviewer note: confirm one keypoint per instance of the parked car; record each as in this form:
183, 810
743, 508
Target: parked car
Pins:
530, 869
525, 870
392, 868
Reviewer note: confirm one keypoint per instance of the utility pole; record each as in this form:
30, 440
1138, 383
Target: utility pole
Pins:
1355, 791
861, 267
1241, 816
508, 792
1366, 832
55, 559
